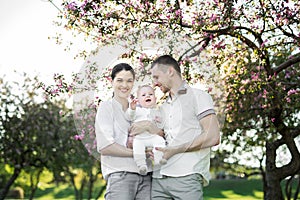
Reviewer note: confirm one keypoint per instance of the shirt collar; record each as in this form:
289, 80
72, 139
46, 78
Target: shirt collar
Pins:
182, 90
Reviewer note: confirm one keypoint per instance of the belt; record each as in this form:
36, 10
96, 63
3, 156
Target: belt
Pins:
135, 173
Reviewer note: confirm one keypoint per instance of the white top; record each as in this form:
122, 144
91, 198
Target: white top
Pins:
181, 125
141, 114
112, 126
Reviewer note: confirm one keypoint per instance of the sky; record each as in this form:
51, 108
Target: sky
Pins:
25, 29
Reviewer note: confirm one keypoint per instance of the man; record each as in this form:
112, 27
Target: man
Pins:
191, 128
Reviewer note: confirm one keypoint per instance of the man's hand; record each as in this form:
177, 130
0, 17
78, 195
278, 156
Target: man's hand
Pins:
149, 153
168, 152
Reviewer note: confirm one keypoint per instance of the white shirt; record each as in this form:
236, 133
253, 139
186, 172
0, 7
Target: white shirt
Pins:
181, 125
112, 126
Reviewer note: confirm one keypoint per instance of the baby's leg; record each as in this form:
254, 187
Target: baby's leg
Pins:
158, 142
139, 155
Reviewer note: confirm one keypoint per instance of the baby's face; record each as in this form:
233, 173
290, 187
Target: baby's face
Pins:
146, 97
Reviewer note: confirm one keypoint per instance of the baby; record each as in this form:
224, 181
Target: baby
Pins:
146, 110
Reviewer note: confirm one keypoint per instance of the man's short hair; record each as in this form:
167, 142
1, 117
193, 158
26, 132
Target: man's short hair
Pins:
166, 60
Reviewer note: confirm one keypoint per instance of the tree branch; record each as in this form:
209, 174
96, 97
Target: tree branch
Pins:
287, 64
193, 47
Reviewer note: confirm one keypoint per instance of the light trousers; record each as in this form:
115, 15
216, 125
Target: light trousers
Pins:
128, 186
188, 187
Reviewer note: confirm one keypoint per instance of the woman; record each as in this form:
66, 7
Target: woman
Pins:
118, 167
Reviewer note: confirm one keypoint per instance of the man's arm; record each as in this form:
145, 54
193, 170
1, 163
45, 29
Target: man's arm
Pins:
209, 137
210, 134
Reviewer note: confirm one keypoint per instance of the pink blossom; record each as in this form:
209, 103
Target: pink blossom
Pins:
70, 88
54, 91
273, 119
213, 17
59, 84
287, 75
264, 42
78, 137
72, 6
292, 91
265, 93
288, 100
254, 76
264, 106
244, 82
258, 67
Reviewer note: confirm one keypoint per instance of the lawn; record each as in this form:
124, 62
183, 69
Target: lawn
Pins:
217, 190
234, 189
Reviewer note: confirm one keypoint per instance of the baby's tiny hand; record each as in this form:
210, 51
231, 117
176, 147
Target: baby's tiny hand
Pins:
133, 104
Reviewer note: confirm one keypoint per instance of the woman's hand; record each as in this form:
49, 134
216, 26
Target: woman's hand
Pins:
139, 127
129, 143
144, 126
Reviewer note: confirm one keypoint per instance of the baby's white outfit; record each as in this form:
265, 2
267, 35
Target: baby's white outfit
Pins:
146, 139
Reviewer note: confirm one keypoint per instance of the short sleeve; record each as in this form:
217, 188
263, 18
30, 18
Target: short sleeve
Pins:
104, 125
204, 104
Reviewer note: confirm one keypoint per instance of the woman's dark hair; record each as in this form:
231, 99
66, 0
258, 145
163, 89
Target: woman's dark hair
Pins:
120, 67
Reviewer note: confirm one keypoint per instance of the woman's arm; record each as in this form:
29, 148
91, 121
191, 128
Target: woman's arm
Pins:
116, 150
104, 128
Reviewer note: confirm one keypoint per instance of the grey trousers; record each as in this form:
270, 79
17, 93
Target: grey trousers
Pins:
188, 187
128, 186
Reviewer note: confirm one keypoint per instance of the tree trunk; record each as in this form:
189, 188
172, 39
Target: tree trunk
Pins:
77, 197
83, 181
12, 179
272, 187
34, 183
91, 184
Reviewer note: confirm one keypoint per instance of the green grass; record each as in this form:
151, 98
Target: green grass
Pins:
234, 189
62, 192
217, 190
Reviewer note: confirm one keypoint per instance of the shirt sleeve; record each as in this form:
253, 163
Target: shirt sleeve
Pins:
130, 114
204, 104
104, 126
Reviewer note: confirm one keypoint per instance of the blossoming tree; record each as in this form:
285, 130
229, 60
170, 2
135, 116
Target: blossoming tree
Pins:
253, 44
